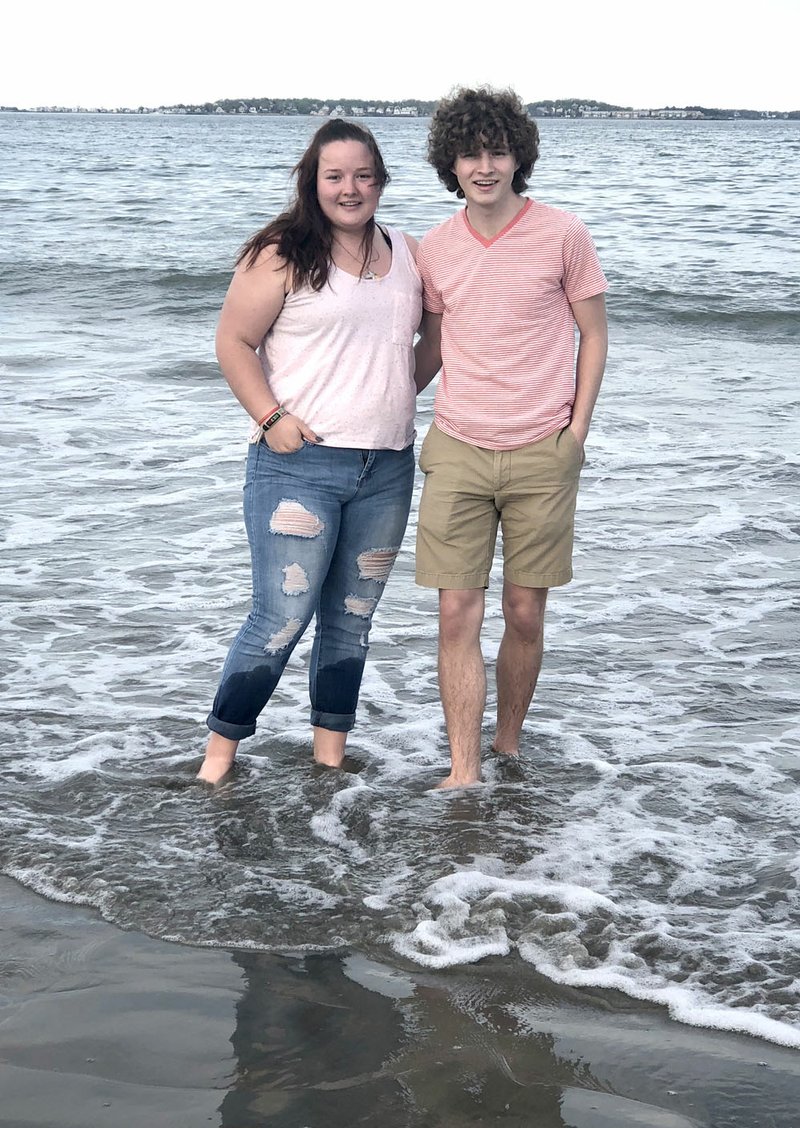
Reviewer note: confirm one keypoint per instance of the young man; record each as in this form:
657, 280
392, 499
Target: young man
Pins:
507, 280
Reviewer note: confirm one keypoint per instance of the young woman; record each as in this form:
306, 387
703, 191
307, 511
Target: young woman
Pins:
315, 340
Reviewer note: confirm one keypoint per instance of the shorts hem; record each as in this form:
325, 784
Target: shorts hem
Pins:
540, 580
455, 581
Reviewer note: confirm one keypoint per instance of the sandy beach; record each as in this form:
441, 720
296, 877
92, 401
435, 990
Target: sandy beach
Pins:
102, 1027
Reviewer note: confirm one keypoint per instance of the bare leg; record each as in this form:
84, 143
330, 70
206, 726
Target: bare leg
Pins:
462, 681
220, 753
329, 747
519, 661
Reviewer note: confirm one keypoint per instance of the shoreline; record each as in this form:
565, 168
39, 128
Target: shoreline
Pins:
627, 115
107, 1027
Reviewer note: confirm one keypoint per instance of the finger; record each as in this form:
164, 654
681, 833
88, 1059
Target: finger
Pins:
284, 448
308, 434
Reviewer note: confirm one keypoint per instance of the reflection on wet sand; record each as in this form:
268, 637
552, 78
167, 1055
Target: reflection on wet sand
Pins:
102, 1028
314, 1048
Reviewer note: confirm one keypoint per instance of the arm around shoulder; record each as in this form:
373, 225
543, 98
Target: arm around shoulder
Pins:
412, 245
428, 349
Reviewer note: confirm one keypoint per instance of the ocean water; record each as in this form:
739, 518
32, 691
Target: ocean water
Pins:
650, 844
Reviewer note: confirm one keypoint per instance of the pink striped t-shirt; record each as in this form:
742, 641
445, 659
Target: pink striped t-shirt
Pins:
508, 333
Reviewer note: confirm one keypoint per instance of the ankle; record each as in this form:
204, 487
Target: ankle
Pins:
505, 747
329, 747
220, 748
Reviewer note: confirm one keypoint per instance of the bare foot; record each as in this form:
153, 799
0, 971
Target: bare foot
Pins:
328, 759
457, 781
213, 770
220, 754
510, 768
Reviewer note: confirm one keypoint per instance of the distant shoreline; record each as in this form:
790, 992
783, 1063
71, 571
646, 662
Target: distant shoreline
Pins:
346, 107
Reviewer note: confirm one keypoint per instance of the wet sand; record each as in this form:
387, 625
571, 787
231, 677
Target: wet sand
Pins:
101, 1027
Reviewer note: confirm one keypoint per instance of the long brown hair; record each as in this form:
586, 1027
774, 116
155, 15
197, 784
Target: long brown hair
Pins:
302, 234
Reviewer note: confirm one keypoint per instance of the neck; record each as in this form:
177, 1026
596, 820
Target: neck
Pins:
489, 221
350, 238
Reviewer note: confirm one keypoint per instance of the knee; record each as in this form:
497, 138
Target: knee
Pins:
282, 608
274, 631
460, 615
523, 611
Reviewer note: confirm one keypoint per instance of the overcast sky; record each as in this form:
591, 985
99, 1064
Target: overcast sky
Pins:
706, 52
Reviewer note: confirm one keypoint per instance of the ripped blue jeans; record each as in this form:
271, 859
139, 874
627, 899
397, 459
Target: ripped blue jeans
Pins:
324, 525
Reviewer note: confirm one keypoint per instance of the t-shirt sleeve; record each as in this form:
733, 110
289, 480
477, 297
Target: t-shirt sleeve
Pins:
583, 274
431, 296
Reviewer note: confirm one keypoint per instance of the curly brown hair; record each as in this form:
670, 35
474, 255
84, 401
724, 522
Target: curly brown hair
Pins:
470, 120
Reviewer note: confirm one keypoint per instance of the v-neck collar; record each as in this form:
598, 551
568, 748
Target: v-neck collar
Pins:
526, 207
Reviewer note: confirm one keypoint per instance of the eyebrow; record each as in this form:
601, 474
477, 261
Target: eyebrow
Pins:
335, 168
482, 142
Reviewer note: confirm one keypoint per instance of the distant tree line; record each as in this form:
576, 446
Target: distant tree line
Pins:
304, 105
560, 107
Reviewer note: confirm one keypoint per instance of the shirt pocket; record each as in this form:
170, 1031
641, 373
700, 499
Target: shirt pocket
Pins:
406, 316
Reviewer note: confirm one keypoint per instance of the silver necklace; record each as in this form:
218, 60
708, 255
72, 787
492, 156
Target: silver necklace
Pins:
368, 275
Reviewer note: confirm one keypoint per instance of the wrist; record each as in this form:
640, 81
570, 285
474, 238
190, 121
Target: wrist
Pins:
272, 418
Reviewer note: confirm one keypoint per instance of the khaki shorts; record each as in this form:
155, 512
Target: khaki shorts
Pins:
468, 491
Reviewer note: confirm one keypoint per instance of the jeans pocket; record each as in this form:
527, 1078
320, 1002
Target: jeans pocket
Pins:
304, 445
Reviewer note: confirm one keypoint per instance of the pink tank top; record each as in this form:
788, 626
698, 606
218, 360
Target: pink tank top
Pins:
341, 359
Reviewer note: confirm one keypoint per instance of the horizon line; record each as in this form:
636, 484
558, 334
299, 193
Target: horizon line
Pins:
378, 106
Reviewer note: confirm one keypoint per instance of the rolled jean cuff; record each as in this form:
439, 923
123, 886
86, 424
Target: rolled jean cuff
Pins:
336, 722
231, 732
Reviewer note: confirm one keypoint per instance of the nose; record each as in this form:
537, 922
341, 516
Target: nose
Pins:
485, 161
